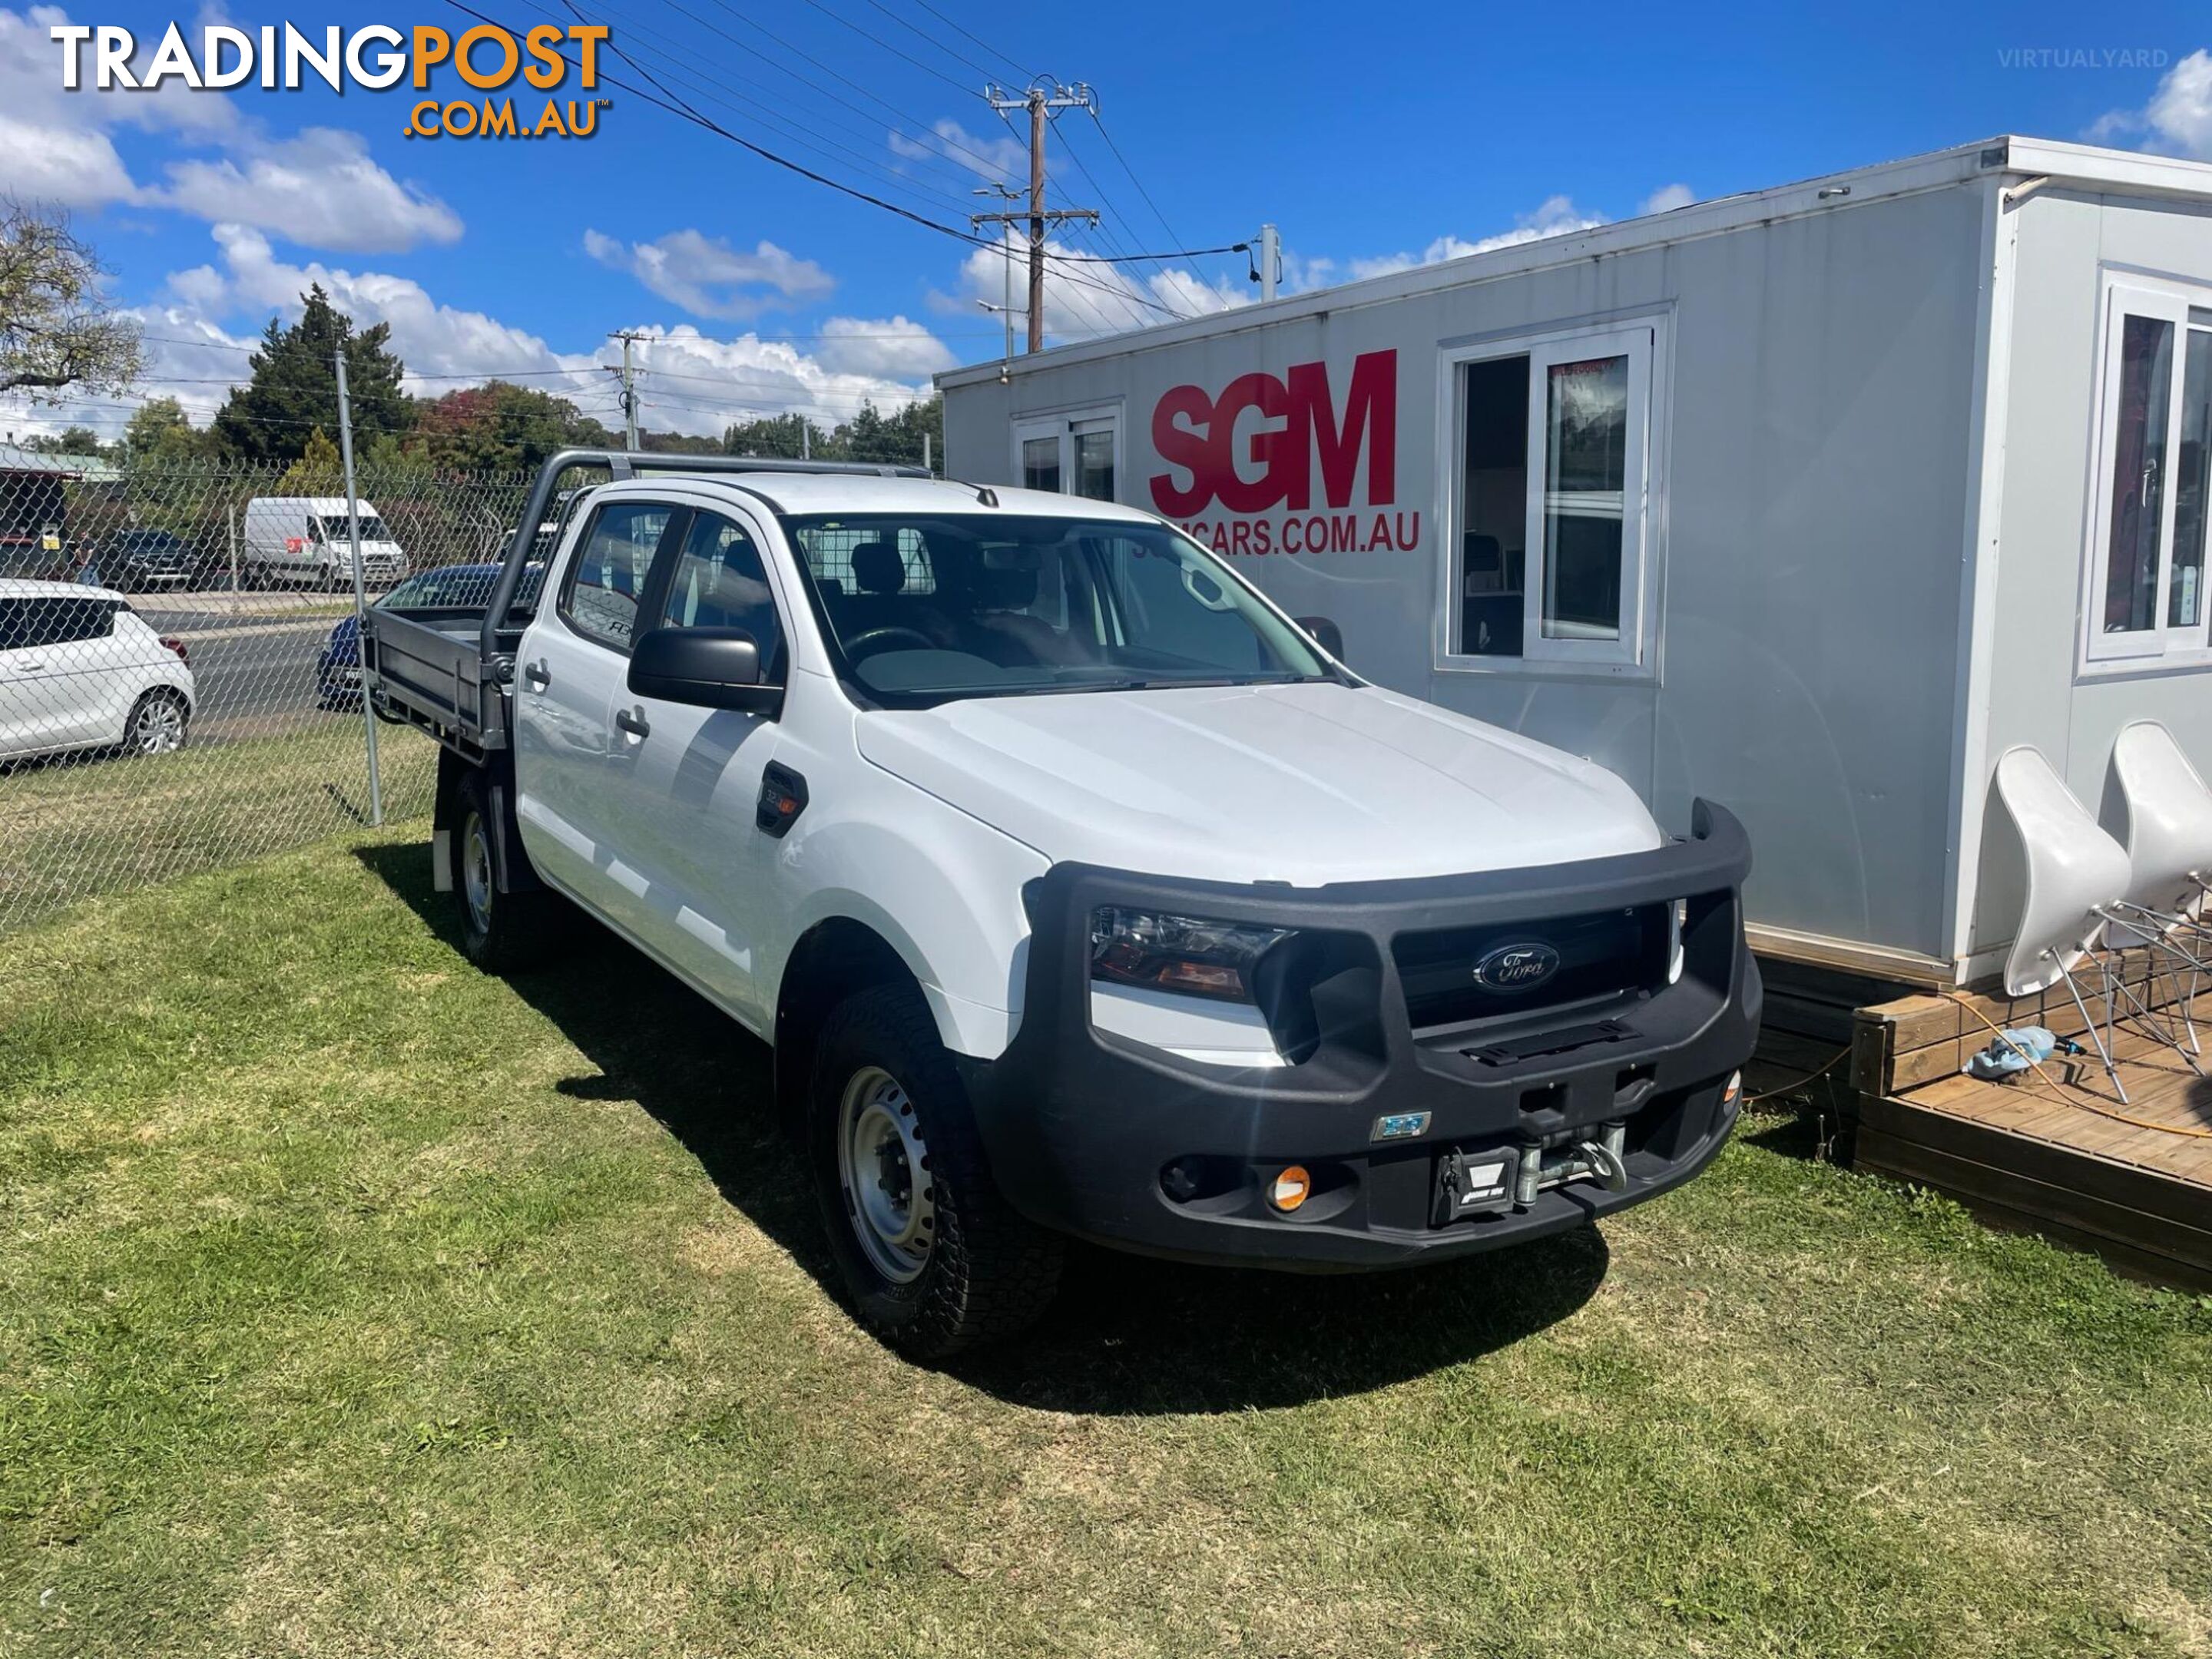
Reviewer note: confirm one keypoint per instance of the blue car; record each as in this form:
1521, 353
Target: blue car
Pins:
450, 587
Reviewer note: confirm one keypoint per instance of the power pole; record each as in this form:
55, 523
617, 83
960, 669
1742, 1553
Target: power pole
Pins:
1043, 104
628, 390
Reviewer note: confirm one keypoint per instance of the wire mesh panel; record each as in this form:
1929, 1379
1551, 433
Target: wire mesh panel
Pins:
179, 682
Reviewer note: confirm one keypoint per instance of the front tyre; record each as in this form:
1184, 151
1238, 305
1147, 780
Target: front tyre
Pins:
500, 933
158, 724
934, 1258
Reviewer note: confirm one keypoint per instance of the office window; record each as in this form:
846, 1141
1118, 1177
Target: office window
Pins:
1074, 455
1552, 543
2147, 553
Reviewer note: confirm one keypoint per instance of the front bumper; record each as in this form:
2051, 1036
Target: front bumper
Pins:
1091, 1133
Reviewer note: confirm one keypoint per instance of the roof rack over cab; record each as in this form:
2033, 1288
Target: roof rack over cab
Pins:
623, 463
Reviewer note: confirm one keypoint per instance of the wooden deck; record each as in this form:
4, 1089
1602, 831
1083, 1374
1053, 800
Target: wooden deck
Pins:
2059, 1158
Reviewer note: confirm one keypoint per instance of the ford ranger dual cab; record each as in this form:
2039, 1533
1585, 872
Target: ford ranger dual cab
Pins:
1081, 893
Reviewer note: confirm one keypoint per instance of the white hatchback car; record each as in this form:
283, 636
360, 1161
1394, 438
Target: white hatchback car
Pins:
80, 670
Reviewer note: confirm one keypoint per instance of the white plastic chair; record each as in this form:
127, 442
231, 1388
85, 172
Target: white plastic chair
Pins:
2169, 824
2169, 856
2075, 874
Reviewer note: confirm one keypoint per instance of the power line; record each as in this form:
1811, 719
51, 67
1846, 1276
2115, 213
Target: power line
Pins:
1021, 74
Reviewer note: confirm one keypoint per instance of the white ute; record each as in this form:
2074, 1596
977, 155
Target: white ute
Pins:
1080, 892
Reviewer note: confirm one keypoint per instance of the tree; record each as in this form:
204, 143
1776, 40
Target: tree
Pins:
319, 471
777, 437
56, 328
160, 431
70, 441
295, 388
501, 427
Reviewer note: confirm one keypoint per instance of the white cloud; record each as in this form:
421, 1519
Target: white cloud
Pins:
1556, 216
1667, 198
320, 188
892, 347
708, 277
1001, 158
689, 381
1084, 298
2177, 119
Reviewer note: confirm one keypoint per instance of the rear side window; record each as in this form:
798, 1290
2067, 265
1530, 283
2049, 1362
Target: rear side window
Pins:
601, 598
26, 624
719, 581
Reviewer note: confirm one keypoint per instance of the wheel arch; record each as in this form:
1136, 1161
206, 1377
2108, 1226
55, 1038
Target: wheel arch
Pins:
833, 959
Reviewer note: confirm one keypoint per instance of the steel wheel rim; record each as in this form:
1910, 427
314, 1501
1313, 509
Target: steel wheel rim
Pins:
476, 872
161, 727
883, 1167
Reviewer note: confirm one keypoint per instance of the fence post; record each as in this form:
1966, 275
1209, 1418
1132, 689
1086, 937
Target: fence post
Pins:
230, 512
360, 595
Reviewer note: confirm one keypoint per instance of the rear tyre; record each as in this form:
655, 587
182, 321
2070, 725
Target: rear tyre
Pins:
500, 933
934, 1258
158, 724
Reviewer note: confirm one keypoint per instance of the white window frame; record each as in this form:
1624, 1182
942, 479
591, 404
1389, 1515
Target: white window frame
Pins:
1635, 653
1063, 426
2124, 294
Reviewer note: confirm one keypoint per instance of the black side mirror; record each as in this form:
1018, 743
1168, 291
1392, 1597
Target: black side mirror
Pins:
705, 667
1326, 633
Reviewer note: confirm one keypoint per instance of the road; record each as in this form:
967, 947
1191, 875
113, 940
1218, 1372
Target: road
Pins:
254, 666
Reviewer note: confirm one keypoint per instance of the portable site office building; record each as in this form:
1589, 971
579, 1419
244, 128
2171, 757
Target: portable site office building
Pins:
1812, 501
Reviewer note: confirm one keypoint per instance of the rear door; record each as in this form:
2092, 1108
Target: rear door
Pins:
59, 677
694, 774
571, 762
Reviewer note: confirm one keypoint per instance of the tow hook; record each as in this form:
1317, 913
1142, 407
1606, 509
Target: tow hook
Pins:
1602, 1158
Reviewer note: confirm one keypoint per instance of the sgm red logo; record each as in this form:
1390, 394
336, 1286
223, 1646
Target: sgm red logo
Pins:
1265, 444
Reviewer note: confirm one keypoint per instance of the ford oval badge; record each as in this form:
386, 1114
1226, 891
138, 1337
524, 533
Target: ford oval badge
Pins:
1521, 967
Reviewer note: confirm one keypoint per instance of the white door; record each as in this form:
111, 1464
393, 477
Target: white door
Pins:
572, 764
60, 676
694, 774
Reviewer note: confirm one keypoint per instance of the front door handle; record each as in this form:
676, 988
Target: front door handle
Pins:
537, 676
635, 724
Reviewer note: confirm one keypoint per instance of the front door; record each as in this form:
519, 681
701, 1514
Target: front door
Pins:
695, 774
571, 762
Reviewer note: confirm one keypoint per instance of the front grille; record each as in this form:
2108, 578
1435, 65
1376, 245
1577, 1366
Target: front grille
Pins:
1606, 954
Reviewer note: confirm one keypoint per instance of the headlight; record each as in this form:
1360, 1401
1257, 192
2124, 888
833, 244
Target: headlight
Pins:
1177, 953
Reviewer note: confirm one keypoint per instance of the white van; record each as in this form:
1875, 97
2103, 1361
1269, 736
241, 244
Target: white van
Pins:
297, 541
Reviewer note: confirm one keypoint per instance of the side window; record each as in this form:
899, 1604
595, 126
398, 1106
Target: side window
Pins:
84, 619
2147, 557
14, 624
601, 598
719, 581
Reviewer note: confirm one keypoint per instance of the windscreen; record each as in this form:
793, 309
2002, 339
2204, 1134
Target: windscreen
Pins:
924, 608
337, 527
461, 587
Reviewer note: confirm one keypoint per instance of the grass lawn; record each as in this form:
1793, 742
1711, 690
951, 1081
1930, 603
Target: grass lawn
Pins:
353, 1302
73, 828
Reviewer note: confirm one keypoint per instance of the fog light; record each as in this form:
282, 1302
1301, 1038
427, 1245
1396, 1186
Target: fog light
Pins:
1289, 1189
1735, 1088
1179, 1180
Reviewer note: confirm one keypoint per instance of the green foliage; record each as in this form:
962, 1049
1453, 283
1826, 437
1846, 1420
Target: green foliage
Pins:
56, 329
319, 471
870, 436
294, 390
500, 427
161, 433
71, 440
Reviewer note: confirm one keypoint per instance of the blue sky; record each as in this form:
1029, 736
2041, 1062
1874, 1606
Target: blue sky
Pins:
1373, 137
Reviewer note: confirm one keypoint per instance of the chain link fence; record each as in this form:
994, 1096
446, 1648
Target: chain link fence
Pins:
179, 686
